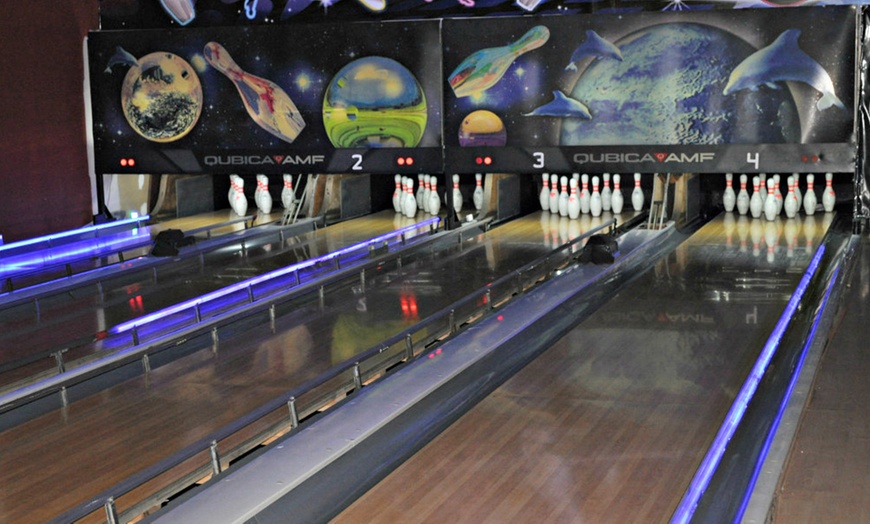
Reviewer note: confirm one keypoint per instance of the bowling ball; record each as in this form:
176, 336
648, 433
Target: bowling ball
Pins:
374, 102
482, 128
161, 97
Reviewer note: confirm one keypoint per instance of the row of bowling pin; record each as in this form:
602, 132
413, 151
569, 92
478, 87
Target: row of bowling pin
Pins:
262, 197
572, 205
767, 199
407, 201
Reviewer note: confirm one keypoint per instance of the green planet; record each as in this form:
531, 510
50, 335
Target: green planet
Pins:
374, 102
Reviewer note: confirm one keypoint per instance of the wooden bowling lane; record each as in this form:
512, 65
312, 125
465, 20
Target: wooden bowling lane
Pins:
64, 458
79, 314
610, 423
827, 474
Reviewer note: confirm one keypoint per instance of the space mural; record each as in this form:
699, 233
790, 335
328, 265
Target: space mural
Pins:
257, 99
720, 89
586, 84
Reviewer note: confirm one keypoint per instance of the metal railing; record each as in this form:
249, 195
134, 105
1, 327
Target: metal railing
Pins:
285, 412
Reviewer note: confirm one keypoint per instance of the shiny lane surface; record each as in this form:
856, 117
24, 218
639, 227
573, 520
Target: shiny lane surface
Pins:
80, 314
62, 459
610, 423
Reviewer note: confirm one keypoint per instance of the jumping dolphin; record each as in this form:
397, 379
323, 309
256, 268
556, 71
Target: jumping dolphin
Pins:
783, 60
562, 106
595, 46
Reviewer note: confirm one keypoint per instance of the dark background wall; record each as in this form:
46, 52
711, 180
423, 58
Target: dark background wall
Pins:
44, 183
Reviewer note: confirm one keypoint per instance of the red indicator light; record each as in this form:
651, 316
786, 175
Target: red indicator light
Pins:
409, 161
405, 161
123, 162
500, 318
128, 162
487, 160
478, 160
483, 160
400, 161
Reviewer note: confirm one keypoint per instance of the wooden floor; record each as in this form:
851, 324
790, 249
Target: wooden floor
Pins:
65, 458
610, 423
827, 476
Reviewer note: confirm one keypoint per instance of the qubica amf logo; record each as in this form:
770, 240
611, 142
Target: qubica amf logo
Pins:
639, 158
263, 160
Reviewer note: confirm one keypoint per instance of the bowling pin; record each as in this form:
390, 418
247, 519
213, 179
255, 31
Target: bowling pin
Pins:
756, 204
763, 178
573, 200
398, 194
637, 194
777, 190
240, 202
606, 193
232, 192
584, 193
797, 188
410, 205
267, 104
427, 192
262, 197
457, 195
545, 193
288, 195
729, 198
770, 204
810, 196
829, 198
419, 194
554, 194
477, 197
790, 205
434, 201
563, 196
595, 199
616, 200
742, 197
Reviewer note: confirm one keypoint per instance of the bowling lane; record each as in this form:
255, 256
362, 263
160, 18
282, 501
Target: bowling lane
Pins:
826, 476
610, 423
75, 317
54, 462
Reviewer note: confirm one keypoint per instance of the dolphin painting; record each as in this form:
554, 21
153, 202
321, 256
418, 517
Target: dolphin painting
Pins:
563, 107
781, 61
595, 46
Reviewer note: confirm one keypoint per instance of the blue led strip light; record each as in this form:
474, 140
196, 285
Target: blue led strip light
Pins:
244, 284
711, 460
71, 232
791, 385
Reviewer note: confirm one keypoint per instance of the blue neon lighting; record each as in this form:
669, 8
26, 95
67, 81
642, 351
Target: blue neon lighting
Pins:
708, 466
788, 392
71, 232
245, 284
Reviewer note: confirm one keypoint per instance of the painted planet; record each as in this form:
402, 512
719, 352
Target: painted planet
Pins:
668, 90
482, 128
161, 97
374, 102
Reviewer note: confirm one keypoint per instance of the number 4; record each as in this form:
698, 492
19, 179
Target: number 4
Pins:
752, 160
